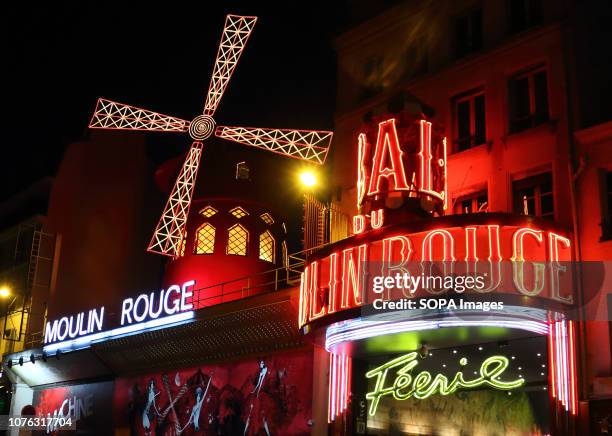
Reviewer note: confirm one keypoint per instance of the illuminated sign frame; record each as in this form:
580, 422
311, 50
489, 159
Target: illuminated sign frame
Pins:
335, 280
423, 385
137, 314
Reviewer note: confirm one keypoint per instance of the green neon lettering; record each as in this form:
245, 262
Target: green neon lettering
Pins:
424, 385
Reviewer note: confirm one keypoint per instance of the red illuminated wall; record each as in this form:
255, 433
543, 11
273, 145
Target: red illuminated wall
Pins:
283, 402
595, 144
103, 207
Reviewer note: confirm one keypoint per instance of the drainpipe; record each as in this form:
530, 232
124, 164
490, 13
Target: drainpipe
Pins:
573, 178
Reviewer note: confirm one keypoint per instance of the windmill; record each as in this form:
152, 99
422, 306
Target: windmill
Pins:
308, 145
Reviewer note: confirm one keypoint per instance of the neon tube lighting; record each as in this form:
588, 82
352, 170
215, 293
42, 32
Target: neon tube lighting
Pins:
572, 367
86, 341
560, 339
351, 332
339, 385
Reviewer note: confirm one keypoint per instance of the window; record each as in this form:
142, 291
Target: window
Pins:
525, 14
208, 211
469, 120
417, 59
239, 212
534, 196
237, 240
528, 100
373, 75
468, 33
242, 171
473, 203
205, 239
605, 184
285, 254
183, 243
267, 218
266, 246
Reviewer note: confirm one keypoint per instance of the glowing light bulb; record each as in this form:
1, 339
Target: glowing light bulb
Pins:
4, 292
308, 179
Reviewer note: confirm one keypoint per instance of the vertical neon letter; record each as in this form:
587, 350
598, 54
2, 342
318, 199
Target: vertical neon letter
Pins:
353, 276
387, 147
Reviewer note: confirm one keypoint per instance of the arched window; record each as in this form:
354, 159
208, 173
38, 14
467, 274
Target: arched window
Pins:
266, 246
205, 239
237, 240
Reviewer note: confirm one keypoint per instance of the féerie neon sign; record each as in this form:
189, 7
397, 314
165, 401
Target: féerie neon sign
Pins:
424, 385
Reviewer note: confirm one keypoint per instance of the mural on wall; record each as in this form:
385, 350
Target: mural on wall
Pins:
88, 404
271, 395
484, 411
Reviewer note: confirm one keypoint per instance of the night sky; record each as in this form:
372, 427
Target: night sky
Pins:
60, 57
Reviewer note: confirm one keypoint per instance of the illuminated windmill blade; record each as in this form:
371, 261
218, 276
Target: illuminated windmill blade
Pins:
309, 145
236, 32
168, 235
112, 115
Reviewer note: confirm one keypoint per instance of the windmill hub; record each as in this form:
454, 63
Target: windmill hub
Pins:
202, 127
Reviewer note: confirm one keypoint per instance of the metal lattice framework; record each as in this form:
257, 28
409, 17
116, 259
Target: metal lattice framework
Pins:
302, 144
169, 232
111, 115
235, 35
311, 146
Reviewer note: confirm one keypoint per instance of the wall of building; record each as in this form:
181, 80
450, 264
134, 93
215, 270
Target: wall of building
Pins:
103, 208
593, 148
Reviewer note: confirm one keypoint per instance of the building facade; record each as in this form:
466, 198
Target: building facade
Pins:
508, 82
465, 145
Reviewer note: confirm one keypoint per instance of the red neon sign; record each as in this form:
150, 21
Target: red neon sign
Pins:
533, 258
387, 161
408, 158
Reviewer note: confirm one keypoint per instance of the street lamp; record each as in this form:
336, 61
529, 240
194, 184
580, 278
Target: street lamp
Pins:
5, 292
308, 178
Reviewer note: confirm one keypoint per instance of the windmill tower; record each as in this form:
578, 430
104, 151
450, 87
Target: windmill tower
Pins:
309, 145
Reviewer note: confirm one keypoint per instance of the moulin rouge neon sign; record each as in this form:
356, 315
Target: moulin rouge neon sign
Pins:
424, 385
523, 260
147, 306
406, 167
